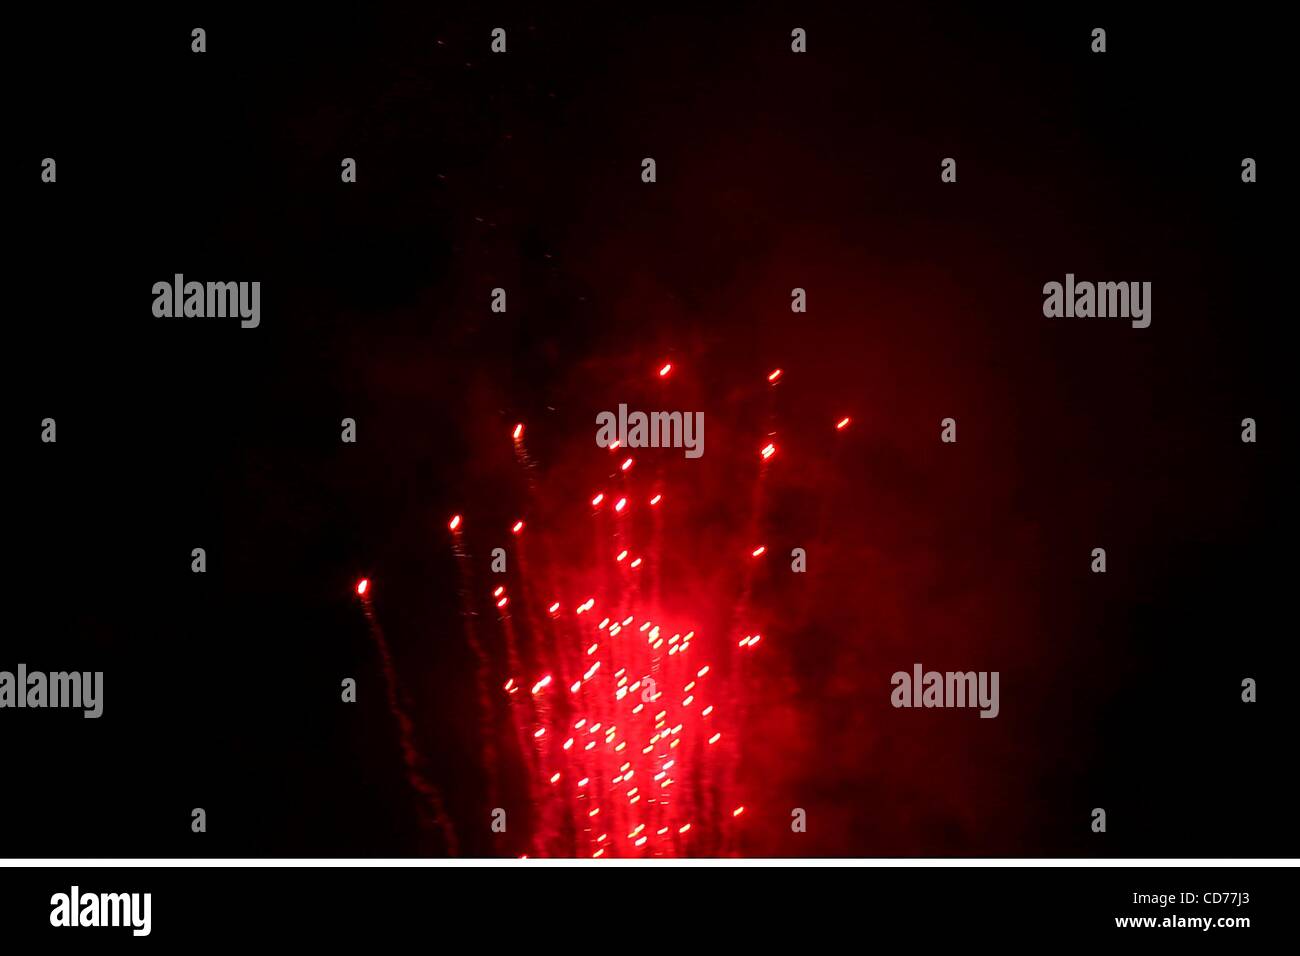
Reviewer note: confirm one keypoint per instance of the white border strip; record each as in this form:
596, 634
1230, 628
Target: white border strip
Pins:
1212, 862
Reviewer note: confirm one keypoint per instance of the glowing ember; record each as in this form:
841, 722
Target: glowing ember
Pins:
628, 739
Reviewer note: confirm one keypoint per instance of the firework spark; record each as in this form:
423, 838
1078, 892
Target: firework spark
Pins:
629, 730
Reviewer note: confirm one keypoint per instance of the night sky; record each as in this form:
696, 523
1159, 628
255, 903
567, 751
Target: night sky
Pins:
775, 170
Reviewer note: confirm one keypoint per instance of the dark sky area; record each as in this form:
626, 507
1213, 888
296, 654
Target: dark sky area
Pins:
775, 171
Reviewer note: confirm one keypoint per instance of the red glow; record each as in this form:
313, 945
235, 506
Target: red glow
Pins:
843, 423
663, 372
768, 451
775, 374
363, 586
648, 746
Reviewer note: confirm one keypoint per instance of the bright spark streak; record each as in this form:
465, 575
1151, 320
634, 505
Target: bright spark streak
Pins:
363, 586
518, 433
454, 523
775, 374
663, 372
843, 423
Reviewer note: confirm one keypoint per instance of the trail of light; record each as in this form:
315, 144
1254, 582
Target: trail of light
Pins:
406, 736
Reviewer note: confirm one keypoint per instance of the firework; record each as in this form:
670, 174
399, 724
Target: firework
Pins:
626, 719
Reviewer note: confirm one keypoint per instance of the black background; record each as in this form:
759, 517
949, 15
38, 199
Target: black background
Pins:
522, 171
